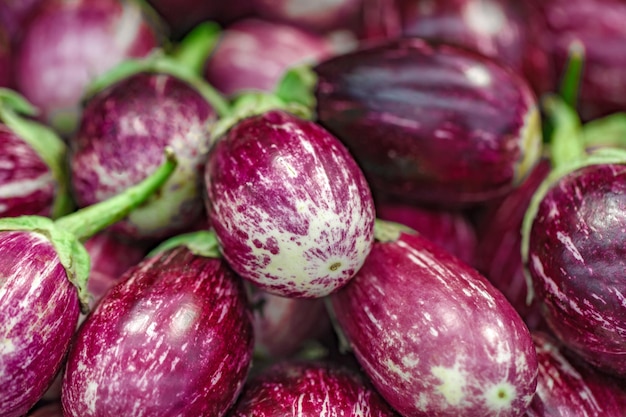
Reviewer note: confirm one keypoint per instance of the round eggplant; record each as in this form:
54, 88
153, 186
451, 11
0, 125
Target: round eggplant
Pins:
431, 123
291, 209
433, 335
174, 337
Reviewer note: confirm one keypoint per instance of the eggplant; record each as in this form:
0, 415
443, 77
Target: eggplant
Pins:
174, 337
14, 15
45, 270
309, 388
509, 31
65, 45
6, 75
253, 54
33, 174
430, 123
124, 127
432, 334
290, 207
567, 388
573, 245
452, 230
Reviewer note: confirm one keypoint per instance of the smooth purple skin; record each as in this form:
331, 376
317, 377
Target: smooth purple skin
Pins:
507, 30
577, 259
27, 185
299, 388
39, 309
319, 16
66, 45
283, 326
565, 390
173, 338
253, 54
53, 409
434, 337
498, 251
123, 132
449, 229
291, 209
430, 123
598, 24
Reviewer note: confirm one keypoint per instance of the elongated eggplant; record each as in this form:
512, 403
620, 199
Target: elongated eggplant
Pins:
433, 335
174, 337
290, 207
44, 273
430, 123
301, 388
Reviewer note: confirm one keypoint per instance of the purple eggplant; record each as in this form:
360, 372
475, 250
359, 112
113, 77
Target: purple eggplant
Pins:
14, 15
291, 209
319, 16
509, 31
430, 123
565, 390
33, 173
174, 337
67, 44
45, 270
452, 230
597, 25
285, 326
309, 388
253, 54
121, 137
433, 335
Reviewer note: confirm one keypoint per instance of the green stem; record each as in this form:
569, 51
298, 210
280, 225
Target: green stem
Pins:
297, 86
201, 243
195, 48
87, 221
570, 82
566, 144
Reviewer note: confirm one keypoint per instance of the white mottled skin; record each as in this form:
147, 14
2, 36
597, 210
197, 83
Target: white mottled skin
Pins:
436, 338
38, 314
325, 227
173, 339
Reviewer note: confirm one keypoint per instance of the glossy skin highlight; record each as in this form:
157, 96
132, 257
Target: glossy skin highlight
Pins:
174, 338
576, 259
430, 123
434, 337
290, 208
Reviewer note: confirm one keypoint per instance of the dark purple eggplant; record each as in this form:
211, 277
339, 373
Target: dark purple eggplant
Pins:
317, 16
565, 390
430, 123
33, 172
14, 15
452, 230
290, 207
597, 25
136, 110
433, 335
68, 44
253, 54
174, 337
573, 245
45, 270
308, 388
509, 31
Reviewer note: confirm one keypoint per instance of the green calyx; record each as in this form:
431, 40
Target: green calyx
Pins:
44, 141
387, 231
66, 233
201, 243
185, 62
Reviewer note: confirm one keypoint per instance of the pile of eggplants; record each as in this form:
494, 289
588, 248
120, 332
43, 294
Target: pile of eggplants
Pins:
369, 208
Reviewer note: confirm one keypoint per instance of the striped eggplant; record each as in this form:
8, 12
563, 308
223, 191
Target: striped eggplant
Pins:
173, 338
566, 388
430, 123
290, 207
33, 174
123, 131
433, 335
43, 287
65, 45
309, 388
